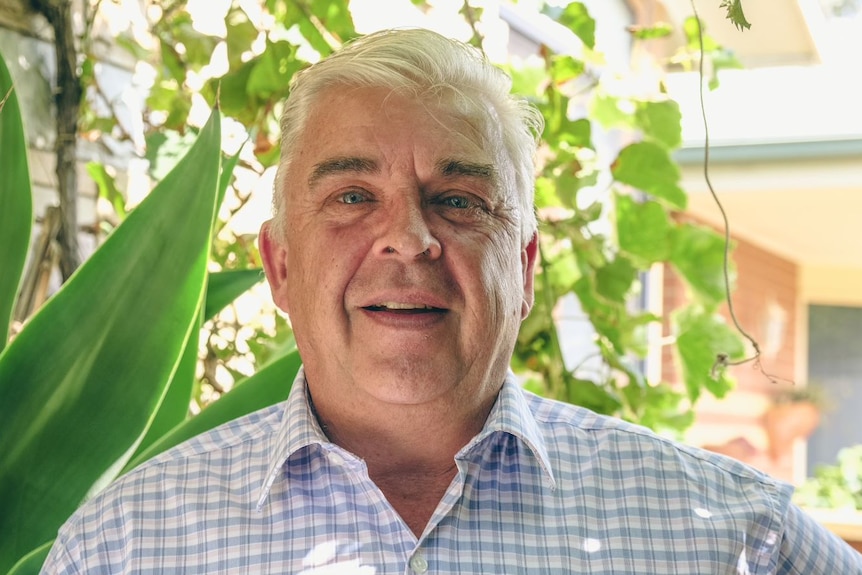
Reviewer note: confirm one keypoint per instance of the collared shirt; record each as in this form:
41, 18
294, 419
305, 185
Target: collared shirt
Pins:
546, 487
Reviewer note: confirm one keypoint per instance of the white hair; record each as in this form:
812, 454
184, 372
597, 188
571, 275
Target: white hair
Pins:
422, 64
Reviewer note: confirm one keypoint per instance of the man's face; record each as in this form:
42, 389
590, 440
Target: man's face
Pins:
402, 267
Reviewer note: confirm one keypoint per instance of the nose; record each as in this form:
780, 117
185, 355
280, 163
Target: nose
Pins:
406, 233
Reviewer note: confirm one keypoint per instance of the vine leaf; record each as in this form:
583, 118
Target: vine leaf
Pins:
703, 335
577, 19
649, 167
643, 230
698, 255
735, 15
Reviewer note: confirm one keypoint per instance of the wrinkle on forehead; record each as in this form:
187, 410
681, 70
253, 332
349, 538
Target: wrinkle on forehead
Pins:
474, 145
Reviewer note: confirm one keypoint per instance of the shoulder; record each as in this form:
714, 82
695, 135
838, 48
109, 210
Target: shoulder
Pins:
235, 435
213, 475
632, 451
230, 457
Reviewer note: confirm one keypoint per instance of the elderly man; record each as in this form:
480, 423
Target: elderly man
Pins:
403, 248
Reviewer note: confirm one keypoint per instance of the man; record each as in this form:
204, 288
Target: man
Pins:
403, 248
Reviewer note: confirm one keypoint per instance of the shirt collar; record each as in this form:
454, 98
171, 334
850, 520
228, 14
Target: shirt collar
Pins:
511, 414
299, 428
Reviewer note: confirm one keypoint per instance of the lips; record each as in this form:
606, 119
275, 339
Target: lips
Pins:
401, 307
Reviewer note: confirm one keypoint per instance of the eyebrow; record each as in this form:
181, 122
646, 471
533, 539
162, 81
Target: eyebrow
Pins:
452, 167
354, 164
341, 165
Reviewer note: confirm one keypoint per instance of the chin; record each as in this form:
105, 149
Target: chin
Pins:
409, 383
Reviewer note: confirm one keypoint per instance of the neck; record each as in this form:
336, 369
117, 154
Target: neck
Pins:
401, 439
409, 450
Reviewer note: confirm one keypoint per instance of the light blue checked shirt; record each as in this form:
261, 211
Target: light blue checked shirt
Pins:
546, 487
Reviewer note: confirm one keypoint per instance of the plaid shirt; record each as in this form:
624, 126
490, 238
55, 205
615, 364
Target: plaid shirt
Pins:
546, 487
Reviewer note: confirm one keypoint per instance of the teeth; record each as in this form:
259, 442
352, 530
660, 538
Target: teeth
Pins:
397, 305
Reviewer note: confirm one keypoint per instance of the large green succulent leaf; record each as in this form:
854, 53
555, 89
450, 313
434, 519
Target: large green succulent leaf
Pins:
266, 387
16, 209
222, 289
174, 408
31, 563
81, 382
226, 286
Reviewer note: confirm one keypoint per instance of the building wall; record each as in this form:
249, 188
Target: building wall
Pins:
765, 302
26, 46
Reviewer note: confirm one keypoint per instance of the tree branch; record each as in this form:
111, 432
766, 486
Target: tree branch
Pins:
67, 97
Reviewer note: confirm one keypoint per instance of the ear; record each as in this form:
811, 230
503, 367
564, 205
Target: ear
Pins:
528, 265
273, 253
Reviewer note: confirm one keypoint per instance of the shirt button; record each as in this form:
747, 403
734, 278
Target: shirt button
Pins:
418, 563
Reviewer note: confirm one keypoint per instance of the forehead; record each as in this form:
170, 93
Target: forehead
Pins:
391, 128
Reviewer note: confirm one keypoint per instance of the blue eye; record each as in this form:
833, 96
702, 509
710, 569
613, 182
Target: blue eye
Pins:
459, 202
352, 198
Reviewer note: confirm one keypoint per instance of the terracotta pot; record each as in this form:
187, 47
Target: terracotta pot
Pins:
787, 422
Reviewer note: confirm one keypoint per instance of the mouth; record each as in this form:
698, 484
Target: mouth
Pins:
403, 308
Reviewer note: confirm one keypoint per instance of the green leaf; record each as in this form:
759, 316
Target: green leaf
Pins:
174, 408
335, 16
657, 30
662, 408
610, 111
698, 256
107, 187
643, 229
31, 563
128, 42
165, 149
576, 133
615, 279
226, 286
172, 65
661, 122
266, 387
96, 367
314, 36
528, 80
198, 47
591, 395
234, 96
649, 167
241, 34
16, 208
701, 338
734, 14
559, 129
272, 70
577, 19
565, 68
605, 316
693, 32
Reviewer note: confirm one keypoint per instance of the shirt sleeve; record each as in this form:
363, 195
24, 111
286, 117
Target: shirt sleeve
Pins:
808, 548
59, 562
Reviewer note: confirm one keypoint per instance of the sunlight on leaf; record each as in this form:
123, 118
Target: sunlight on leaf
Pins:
649, 167
577, 19
643, 229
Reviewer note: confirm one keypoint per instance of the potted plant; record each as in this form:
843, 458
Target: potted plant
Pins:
794, 414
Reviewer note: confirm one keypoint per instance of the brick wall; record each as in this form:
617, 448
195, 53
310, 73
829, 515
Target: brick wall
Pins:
765, 301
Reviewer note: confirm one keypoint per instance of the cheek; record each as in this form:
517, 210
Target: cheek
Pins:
500, 272
322, 268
